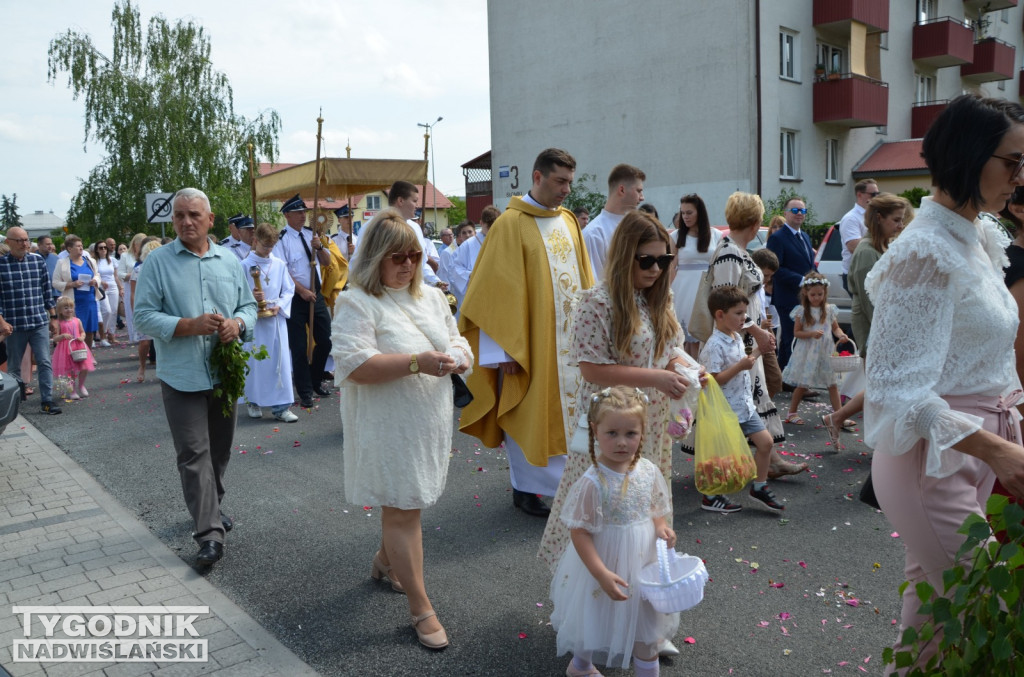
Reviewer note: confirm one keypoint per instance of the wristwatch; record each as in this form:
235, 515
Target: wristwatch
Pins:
241, 325
414, 366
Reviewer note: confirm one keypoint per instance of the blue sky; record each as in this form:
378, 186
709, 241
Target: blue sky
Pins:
376, 69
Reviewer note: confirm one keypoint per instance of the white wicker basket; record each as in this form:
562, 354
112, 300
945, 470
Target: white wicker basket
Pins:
675, 582
79, 354
841, 363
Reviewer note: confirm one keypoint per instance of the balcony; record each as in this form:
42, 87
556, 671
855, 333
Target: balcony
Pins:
836, 15
993, 60
851, 101
923, 114
944, 42
988, 5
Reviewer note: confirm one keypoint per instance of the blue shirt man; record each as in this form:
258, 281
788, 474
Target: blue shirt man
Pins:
190, 295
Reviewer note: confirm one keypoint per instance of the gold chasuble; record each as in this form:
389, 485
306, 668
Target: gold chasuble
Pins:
530, 268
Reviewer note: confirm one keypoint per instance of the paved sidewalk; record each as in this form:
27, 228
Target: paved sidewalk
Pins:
64, 541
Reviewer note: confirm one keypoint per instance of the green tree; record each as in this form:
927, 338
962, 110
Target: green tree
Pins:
9, 216
457, 212
585, 195
914, 195
164, 117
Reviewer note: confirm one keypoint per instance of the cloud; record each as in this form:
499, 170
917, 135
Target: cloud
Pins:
19, 132
404, 80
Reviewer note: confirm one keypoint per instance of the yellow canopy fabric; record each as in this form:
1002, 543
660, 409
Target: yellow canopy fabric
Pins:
339, 178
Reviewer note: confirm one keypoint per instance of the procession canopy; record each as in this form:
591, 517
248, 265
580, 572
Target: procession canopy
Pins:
339, 178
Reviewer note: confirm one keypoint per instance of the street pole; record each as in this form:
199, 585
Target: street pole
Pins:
429, 142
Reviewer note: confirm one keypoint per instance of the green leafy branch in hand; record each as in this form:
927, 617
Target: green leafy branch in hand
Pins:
978, 621
230, 363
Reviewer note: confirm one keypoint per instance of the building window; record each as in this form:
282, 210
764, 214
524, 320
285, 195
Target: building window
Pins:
787, 156
925, 90
831, 56
832, 161
373, 202
787, 55
1004, 16
926, 10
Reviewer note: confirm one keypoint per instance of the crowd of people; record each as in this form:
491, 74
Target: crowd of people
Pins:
598, 322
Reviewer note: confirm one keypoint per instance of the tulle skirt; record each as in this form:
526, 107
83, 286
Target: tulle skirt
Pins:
588, 621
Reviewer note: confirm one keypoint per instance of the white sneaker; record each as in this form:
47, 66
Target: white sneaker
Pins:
254, 411
287, 416
105, 343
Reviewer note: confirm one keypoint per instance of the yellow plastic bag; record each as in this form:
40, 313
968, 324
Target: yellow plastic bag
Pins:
722, 460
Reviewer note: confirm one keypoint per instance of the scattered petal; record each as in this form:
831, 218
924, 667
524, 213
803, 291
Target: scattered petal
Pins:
522, 635
802, 564
895, 534
690, 640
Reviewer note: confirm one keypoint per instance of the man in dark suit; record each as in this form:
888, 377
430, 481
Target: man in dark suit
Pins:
796, 258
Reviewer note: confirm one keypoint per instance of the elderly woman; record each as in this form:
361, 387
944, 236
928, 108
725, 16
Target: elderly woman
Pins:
76, 277
941, 383
395, 343
623, 333
732, 265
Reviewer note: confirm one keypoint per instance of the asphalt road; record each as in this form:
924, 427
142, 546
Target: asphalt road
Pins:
812, 591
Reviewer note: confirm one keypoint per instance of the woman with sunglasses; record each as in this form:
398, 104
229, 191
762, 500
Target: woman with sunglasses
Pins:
395, 343
732, 265
695, 242
624, 330
941, 383
106, 266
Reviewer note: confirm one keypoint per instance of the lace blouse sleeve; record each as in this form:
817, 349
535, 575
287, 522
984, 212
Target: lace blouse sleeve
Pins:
661, 496
353, 334
582, 509
914, 296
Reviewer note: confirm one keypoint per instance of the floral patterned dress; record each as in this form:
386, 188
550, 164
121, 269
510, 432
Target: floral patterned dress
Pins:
593, 341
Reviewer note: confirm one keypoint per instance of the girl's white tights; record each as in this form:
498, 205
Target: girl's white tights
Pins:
644, 668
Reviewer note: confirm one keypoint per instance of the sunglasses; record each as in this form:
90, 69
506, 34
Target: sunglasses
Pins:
398, 258
646, 261
99, 248
874, 194
1018, 163
798, 210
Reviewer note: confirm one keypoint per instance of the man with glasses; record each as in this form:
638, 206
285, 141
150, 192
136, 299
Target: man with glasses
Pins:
49, 253
29, 315
851, 226
793, 248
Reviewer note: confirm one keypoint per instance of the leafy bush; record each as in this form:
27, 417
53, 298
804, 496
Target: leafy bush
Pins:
978, 621
914, 195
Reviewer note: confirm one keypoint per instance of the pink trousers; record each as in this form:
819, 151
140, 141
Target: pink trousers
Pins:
927, 511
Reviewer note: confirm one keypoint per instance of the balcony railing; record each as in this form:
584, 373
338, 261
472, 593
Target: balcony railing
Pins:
988, 5
851, 101
837, 14
923, 114
943, 42
993, 60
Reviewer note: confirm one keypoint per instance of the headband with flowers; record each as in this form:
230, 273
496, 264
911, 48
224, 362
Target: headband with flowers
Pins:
811, 281
607, 392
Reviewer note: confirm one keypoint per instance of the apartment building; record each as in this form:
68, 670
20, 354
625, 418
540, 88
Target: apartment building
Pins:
755, 95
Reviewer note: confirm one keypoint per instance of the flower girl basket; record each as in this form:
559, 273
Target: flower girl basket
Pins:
841, 363
675, 582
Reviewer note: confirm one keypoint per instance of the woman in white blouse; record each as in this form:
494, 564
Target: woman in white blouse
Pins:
941, 385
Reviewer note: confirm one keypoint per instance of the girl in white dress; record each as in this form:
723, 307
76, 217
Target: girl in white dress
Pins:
695, 243
814, 324
615, 512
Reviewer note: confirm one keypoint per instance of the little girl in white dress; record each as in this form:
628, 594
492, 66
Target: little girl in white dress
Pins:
614, 513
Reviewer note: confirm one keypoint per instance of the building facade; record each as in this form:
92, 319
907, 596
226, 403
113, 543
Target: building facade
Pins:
755, 95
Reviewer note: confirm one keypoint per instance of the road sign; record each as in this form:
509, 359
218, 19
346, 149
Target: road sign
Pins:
158, 207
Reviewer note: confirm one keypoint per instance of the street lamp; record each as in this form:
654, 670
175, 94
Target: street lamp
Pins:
428, 142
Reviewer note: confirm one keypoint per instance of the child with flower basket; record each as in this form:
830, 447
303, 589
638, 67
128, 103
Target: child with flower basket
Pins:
71, 356
726, 360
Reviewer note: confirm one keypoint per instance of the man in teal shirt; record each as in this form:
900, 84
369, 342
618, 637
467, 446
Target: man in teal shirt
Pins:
191, 294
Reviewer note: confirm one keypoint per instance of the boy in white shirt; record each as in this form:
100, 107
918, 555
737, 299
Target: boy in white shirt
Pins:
725, 358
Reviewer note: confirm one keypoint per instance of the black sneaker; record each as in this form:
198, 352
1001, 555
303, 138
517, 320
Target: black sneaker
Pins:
50, 408
719, 503
766, 496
